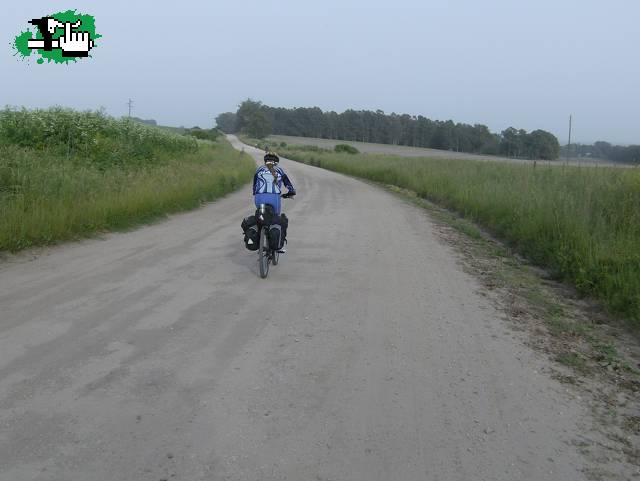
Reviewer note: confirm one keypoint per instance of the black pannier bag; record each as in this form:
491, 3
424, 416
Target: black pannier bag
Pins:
284, 222
278, 231
251, 235
275, 236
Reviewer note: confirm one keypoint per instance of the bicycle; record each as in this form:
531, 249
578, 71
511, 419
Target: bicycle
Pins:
266, 255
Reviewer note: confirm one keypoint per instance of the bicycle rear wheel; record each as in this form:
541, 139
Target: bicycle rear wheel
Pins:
263, 253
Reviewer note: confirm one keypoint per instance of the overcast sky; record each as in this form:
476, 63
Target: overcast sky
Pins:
497, 62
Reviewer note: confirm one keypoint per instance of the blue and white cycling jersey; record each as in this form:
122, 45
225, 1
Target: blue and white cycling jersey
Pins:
264, 183
267, 190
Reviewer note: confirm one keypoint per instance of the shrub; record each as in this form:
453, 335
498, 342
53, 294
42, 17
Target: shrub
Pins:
347, 149
203, 134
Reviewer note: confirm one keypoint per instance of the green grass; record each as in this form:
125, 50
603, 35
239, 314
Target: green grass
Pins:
572, 359
607, 352
583, 223
65, 175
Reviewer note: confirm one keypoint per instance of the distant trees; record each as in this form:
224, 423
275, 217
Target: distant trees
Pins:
258, 126
259, 120
251, 119
542, 145
629, 154
227, 122
512, 142
538, 144
145, 121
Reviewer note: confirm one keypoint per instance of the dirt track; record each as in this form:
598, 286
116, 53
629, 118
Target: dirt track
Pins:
367, 354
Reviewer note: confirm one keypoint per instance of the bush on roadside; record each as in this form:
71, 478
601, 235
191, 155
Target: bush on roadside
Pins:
347, 149
203, 134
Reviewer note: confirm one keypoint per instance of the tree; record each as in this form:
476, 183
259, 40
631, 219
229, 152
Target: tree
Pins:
245, 113
542, 145
252, 119
258, 125
226, 122
511, 143
443, 138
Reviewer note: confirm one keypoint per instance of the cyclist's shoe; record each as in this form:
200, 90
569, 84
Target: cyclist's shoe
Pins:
282, 250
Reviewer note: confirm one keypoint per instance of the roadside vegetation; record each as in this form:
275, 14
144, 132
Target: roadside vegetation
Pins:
582, 223
67, 174
594, 358
347, 149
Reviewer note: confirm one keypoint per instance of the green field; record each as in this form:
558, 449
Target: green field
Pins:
582, 223
67, 174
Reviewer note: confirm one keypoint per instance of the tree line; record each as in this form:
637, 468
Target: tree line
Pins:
629, 154
259, 120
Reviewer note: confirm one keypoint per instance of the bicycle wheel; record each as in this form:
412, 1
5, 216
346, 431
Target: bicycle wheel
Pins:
263, 253
274, 257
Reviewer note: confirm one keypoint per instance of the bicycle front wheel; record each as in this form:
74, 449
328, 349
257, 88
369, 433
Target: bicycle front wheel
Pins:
263, 253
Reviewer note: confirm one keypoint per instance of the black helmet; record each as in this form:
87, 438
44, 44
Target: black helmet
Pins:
271, 157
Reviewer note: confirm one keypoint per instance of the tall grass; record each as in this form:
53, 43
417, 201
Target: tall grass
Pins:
66, 174
89, 136
584, 223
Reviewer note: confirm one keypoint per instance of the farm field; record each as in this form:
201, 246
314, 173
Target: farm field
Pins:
405, 151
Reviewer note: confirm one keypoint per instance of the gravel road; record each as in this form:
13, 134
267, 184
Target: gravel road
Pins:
367, 354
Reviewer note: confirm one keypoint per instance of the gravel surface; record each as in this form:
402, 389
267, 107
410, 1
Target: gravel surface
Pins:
367, 354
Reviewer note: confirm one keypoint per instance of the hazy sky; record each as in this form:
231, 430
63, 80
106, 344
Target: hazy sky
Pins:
498, 62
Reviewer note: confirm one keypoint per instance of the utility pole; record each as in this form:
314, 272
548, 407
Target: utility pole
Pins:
130, 104
569, 144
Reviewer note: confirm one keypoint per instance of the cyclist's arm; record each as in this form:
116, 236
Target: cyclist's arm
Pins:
255, 182
288, 184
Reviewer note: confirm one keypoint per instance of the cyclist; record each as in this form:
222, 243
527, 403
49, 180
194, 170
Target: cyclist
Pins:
267, 188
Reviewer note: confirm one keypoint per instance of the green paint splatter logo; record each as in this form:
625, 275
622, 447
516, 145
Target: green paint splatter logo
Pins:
60, 38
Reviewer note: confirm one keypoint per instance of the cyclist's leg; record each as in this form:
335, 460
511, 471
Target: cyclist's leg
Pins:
277, 203
284, 222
